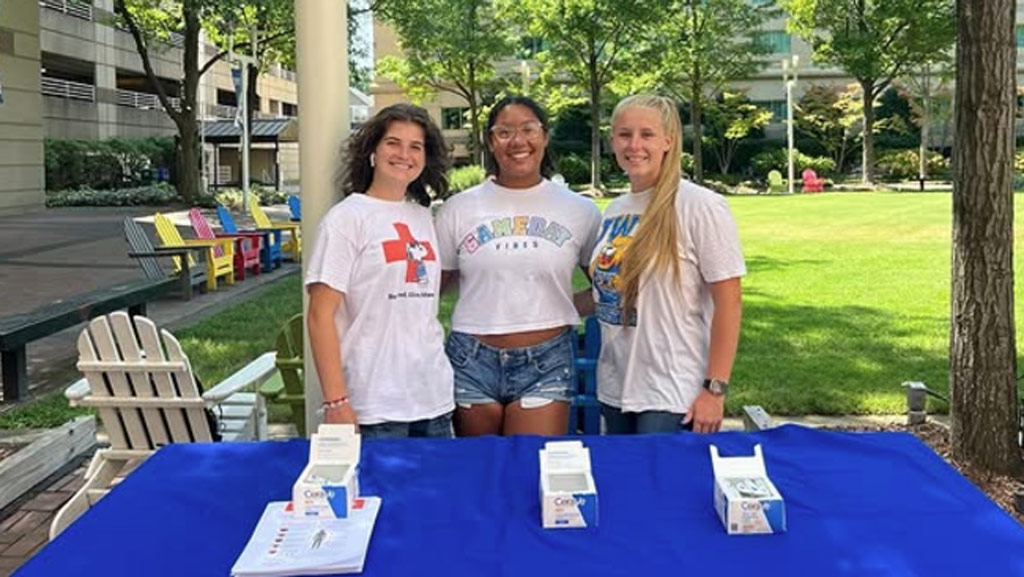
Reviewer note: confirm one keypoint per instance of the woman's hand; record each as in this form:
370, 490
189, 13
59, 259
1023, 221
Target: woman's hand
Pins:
343, 415
706, 413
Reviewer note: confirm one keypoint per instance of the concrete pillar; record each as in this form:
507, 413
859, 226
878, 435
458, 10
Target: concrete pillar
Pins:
106, 73
321, 40
21, 116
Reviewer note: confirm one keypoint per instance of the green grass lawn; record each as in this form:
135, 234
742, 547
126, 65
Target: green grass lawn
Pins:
846, 297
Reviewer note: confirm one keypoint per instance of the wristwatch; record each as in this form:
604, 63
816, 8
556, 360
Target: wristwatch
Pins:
716, 387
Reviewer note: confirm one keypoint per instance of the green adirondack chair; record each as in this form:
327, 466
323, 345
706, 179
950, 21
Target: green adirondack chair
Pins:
288, 387
775, 182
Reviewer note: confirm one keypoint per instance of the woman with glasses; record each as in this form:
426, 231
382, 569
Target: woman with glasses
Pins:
513, 243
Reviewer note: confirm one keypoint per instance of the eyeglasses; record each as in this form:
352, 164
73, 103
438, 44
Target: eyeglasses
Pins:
529, 131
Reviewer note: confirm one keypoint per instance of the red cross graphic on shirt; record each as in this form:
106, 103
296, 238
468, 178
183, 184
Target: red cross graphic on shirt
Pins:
396, 250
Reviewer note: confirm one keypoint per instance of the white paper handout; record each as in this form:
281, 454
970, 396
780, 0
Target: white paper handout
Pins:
285, 544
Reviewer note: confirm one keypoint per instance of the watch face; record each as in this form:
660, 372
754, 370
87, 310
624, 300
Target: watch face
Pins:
716, 386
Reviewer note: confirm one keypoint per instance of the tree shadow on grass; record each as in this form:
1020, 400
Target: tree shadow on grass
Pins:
797, 359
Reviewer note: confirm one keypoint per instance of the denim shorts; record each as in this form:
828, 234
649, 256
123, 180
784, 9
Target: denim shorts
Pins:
485, 374
436, 428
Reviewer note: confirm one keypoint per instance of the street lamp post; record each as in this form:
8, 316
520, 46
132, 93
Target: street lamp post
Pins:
789, 66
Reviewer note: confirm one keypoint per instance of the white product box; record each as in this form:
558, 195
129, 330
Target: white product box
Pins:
568, 494
330, 481
746, 500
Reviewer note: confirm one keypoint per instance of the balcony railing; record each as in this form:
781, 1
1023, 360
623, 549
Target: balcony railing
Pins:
61, 88
221, 111
76, 8
143, 101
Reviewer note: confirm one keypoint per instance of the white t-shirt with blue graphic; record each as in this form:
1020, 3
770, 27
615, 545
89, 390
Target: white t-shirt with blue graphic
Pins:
658, 362
515, 250
383, 256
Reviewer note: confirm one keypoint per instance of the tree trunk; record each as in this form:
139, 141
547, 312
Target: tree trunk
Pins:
698, 153
595, 128
982, 341
868, 154
188, 180
926, 118
252, 96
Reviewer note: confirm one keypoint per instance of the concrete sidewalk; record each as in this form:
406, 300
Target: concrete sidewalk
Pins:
56, 253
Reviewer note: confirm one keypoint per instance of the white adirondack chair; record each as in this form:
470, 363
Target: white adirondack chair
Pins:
142, 386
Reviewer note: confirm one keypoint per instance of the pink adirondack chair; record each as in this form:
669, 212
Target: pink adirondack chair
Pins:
247, 248
812, 183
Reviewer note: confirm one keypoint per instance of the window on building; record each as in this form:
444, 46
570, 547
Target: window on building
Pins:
1020, 36
275, 107
226, 98
289, 109
776, 41
453, 118
531, 46
776, 107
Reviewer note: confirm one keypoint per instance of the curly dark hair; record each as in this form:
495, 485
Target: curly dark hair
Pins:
547, 164
357, 173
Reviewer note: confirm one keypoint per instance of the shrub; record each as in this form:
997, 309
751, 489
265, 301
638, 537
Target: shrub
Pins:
231, 198
686, 163
153, 195
898, 165
575, 169
778, 159
460, 179
107, 164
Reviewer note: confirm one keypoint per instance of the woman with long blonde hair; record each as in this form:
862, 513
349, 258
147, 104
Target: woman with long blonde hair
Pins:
666, 273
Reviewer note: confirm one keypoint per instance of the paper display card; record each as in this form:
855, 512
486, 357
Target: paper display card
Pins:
286, 544
746, 500
330, 482
567, 491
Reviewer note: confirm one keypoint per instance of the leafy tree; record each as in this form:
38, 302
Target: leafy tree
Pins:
732, 118
694, 53
448, 46
831, 117
875, 41
151, 23
589, 44
928, 90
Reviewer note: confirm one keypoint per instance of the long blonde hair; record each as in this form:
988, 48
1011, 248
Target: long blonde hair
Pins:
654, 246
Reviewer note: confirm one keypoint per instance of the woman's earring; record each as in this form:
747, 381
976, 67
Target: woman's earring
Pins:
373, 160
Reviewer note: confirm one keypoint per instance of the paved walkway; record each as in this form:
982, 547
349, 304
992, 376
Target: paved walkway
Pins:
51, 255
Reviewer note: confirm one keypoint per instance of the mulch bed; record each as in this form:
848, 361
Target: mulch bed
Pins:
999, 488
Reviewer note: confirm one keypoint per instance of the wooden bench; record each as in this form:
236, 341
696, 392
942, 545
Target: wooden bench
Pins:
17, 331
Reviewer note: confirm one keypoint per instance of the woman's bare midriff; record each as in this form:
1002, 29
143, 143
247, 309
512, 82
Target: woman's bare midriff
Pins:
520, 340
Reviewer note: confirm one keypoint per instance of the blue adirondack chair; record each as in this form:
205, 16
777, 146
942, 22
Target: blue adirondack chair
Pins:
295, 207
586, 410
271, 256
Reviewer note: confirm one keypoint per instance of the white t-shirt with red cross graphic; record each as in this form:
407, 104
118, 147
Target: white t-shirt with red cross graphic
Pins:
382, 255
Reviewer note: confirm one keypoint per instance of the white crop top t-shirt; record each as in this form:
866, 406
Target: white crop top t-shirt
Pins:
516, 250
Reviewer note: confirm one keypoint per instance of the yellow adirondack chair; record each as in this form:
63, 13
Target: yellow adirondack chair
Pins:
219, 256
293, 244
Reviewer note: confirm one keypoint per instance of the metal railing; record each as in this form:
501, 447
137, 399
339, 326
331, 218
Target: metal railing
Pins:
61, 88
76, 8
142, 100
221, 111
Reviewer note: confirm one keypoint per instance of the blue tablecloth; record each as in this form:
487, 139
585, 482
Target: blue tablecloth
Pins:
857, 504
